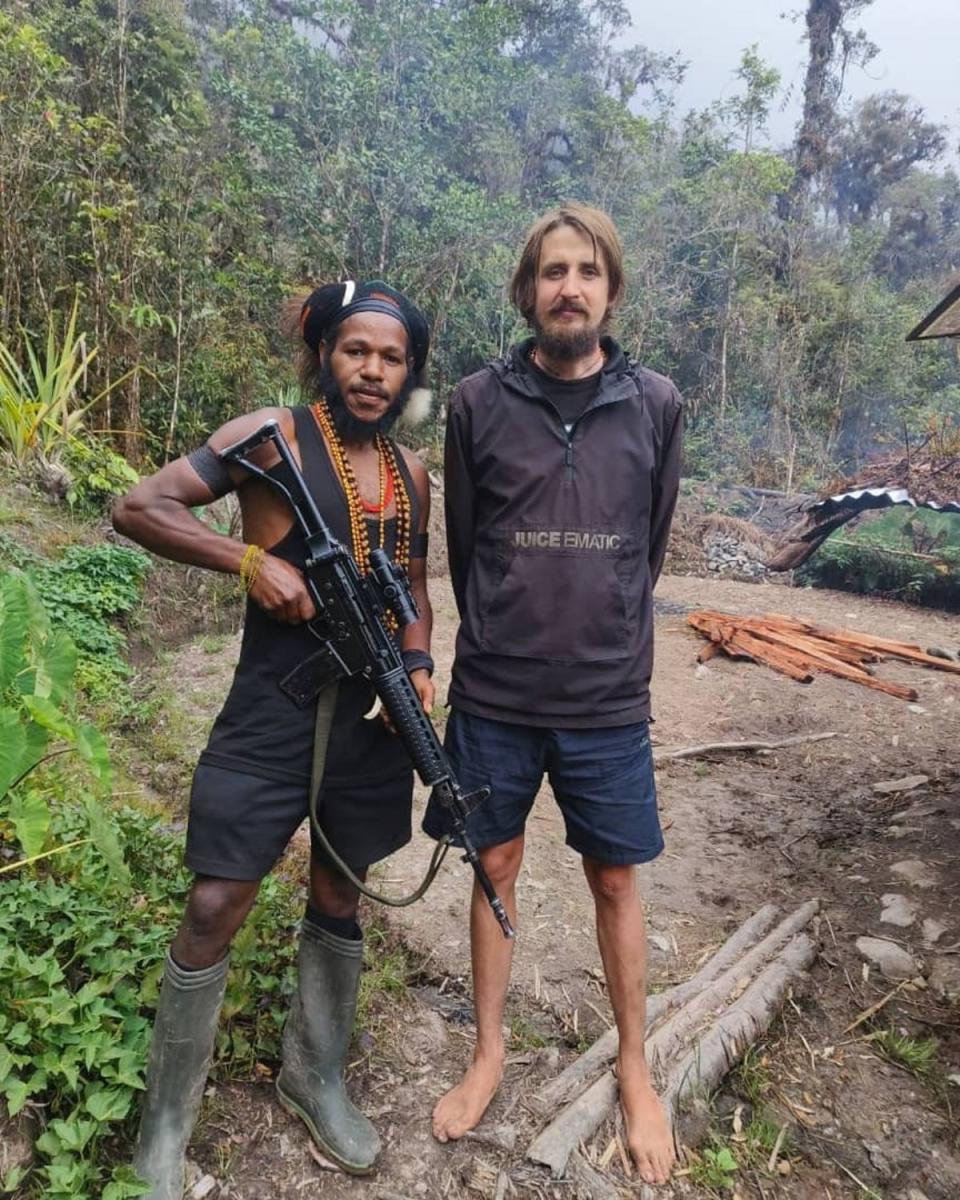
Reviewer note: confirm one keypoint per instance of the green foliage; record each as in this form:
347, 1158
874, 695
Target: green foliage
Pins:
38, 724
85, 591
40, 410
81, 958
98, 475
716, 1167
911, 555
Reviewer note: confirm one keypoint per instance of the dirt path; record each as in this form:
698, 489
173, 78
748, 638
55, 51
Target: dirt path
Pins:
740, 831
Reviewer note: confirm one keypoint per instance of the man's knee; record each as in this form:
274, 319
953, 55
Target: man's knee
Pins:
332, 893
611, 883
216, 909
502, 863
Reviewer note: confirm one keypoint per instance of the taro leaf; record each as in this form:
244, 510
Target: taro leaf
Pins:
93, 750
14, 623
56, 667
46, 713
104, 835
13, 748
30, 815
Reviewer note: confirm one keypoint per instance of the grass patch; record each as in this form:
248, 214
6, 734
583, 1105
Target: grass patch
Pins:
750, 1079
523, 1036
918, 1055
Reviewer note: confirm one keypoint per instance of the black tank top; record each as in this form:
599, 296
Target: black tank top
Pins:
260, 731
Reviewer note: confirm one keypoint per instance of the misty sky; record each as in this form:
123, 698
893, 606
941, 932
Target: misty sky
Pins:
918, 51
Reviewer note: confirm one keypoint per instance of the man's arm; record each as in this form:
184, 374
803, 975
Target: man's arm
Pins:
665, 490
156, 513
459, 498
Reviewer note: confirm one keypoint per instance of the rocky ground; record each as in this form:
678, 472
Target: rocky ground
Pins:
869, 821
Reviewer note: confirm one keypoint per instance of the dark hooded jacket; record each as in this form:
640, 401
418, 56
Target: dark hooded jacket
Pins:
556, 539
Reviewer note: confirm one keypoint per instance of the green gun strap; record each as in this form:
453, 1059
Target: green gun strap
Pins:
326, 706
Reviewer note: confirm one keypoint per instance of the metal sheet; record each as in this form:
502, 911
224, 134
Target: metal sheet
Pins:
879, 497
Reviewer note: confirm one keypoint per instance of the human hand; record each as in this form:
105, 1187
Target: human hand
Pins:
281, 591
423, 686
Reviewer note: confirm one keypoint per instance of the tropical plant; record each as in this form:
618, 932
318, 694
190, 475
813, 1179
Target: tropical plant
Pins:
40, 408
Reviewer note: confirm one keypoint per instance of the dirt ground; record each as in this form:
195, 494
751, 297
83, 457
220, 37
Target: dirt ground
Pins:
741, 830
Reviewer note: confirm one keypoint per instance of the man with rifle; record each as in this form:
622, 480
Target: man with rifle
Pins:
562, 468
364, 347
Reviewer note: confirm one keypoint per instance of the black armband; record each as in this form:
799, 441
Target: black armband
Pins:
418, 545
417, 660
212, 470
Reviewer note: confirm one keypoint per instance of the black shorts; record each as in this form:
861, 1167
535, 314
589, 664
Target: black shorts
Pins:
240, 824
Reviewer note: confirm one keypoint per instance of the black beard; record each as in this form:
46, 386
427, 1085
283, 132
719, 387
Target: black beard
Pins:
351, 428
566, 345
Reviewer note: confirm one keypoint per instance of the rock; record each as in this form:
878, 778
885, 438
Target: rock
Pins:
945, 979
890, 959
907, 784
425, 1041
933, 931
17, 1135
940, 652
954, 1079
203, 1187
915, 871
661, 941
897, 910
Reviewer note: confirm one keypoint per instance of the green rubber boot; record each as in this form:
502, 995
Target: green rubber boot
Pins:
180, 1055
315, 1043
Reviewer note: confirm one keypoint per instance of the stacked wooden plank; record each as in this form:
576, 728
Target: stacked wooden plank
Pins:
800, 648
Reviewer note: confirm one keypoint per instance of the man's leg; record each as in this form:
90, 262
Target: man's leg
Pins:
184, 1028
317, 1034
491, 955
622, 938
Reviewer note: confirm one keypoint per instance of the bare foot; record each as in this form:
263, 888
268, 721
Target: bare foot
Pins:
648, 1131
462, 1107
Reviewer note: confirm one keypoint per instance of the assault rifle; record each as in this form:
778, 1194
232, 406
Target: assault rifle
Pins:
354, 640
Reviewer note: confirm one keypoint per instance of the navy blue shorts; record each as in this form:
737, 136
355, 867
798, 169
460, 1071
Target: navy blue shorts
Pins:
602, 780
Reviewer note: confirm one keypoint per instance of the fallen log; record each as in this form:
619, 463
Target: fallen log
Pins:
582, 1070
661, 754
771, 959
740, 1026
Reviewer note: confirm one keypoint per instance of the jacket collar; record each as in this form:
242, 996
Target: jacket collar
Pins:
617, 379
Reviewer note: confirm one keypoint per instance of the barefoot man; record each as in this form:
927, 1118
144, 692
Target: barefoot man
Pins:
562, 469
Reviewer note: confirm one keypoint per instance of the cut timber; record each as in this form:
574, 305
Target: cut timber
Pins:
583, 1069
799, 648
717, 989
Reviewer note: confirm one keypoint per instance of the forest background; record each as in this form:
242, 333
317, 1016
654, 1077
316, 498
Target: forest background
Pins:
177, 167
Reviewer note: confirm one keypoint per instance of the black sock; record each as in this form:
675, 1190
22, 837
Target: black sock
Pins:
343, 927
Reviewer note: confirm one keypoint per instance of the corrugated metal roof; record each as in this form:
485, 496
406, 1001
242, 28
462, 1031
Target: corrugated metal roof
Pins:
942, 321
878, 497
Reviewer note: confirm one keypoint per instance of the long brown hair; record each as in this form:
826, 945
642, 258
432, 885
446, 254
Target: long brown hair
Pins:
593, 224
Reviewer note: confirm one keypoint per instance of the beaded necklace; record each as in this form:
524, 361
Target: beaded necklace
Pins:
387, 469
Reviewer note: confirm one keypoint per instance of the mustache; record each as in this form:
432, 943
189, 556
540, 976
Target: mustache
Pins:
568, 306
